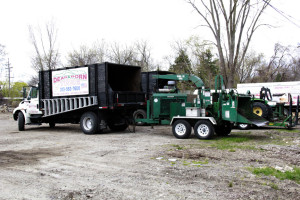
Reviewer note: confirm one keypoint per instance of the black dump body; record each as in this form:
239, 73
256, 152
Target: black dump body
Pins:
114, 85
150, 84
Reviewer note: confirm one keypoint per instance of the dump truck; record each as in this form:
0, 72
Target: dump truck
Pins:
97, 96
209, 113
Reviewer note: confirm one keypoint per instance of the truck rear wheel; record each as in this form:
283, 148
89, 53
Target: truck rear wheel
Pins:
140, 114
89, 123
21, 121
181, 129
204, 129
51, 124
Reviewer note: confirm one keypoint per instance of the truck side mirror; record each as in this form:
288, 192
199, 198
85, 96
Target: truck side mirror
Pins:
24, 92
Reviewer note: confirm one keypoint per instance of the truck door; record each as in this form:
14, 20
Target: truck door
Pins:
33, 101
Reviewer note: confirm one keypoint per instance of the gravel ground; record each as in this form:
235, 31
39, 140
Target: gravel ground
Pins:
63, 163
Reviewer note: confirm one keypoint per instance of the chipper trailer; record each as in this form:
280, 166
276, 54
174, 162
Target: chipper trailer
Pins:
209, 113
97, 96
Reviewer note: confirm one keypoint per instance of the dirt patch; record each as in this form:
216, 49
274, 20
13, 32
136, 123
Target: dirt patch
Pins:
25, 157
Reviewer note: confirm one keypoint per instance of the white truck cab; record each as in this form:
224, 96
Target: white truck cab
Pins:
28, 108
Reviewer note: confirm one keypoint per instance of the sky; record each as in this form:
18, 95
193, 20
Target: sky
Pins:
160, 22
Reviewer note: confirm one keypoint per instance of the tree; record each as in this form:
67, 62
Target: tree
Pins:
143, 55
232, 23
207, 68
249, 66
46, 55
121, 54
279, 66
16, 89
182, 65
87, 55
2, 52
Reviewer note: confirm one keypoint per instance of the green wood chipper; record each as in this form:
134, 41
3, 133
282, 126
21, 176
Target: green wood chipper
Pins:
212, 111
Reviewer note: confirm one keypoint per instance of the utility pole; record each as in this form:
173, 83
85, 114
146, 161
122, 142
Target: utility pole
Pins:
8, 75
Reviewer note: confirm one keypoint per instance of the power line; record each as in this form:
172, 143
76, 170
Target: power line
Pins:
286, 16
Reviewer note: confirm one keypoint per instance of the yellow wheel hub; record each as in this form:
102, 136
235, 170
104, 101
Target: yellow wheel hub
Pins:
258, 111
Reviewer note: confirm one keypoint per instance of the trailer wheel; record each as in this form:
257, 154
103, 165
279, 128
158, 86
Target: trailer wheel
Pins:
89, 123
243, 126
140, 114
21, 121
181, 129
260, 109
204, 129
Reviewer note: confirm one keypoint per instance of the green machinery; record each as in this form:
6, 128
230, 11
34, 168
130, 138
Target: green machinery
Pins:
210, 112
274, 112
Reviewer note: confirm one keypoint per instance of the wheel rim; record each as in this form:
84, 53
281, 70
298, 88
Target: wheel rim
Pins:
243, 125
203, 130
87, 123
180, 129
258, 111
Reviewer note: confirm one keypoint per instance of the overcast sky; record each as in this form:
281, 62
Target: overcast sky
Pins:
158, 21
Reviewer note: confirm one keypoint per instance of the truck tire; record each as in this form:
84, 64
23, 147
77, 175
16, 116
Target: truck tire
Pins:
243, 126
140, 114
223, 130
261, 109
89, 123
204, 129
51, 124
114, 127
21, 121
181, 129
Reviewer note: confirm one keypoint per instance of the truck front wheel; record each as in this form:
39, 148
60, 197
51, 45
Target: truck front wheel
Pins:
89, 123
181, 129
204, 129
21, 121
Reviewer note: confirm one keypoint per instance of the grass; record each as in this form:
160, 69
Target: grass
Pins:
270, 171
288, 130
178, 147
233, 142
195, 163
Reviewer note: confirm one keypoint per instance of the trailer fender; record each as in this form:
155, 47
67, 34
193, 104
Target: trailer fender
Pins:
194, 119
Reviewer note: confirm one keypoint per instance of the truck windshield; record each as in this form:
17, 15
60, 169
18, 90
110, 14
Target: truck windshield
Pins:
30, 92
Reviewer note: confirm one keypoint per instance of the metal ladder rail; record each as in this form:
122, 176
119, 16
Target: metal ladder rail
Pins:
62, 105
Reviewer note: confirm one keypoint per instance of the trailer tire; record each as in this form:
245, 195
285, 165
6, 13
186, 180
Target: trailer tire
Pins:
204, 129
140, 114
21, 121
260, 109
89, 123
243, 126
181, 129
